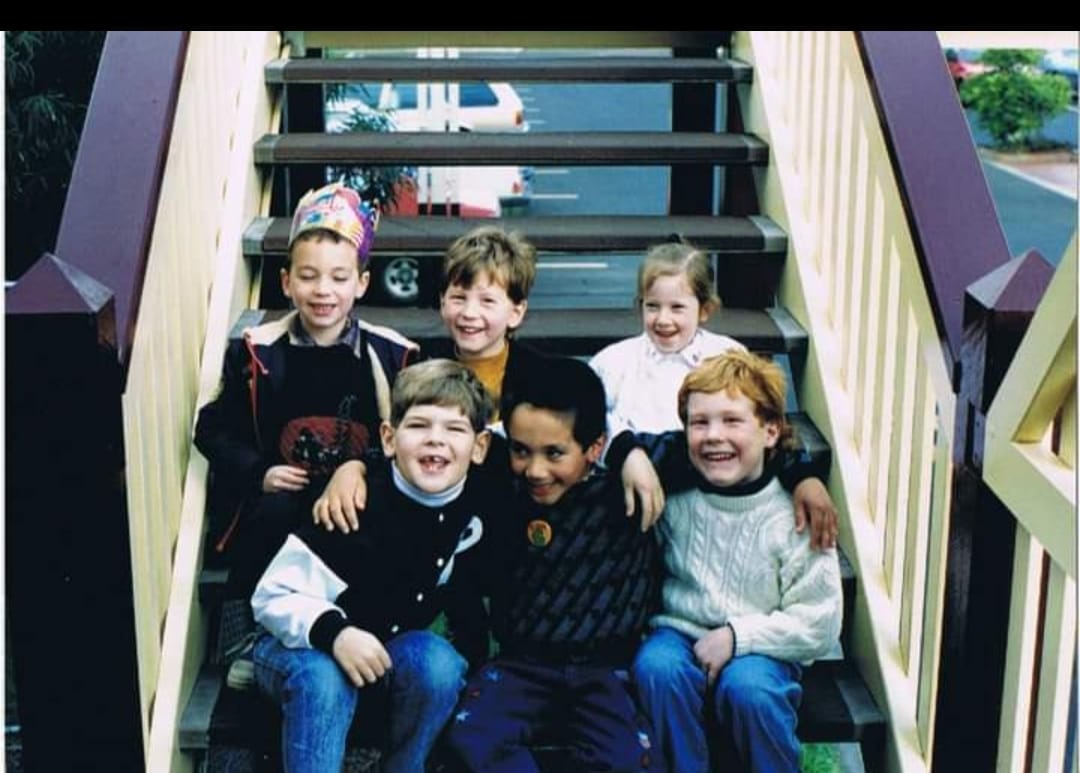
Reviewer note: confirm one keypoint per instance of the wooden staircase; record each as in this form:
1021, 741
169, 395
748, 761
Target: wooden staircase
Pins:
226, 730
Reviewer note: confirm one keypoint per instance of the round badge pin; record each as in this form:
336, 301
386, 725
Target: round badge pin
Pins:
539, 533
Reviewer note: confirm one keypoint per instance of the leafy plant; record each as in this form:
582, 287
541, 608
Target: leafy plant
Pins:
1014, 100
374, 183
49, 75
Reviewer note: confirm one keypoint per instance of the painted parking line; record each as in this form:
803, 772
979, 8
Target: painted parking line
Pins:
555, 197
585, 266
536, 121
1061, 190
539, 172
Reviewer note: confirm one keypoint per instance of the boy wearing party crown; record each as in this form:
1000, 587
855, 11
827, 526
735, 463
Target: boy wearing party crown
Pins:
301, 394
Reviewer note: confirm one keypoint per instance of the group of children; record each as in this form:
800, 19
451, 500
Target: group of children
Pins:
485, 486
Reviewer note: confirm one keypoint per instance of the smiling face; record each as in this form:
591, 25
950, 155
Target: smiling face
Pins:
480, 316
671, 313
323, 281
544, 453
726, 439
433, 446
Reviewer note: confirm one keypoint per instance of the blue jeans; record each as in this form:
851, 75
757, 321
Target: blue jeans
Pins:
754, 701
318, 702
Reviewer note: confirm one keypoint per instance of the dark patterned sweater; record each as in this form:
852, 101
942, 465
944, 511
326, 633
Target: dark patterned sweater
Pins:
587, 594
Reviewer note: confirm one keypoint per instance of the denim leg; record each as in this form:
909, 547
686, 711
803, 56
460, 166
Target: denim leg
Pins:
317, 703
427, 675
671, 688
757, 701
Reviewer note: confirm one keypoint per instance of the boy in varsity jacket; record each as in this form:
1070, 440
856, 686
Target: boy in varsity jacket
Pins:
346, 613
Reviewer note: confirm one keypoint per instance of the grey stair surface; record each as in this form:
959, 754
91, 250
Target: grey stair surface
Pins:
574, 332
500, 148
612, 69
570, 233
836, 708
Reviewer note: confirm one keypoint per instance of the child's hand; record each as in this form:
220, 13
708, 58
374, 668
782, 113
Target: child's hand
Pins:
639, 477
361, 656
714, 650
344, 495
813, 504
285, 477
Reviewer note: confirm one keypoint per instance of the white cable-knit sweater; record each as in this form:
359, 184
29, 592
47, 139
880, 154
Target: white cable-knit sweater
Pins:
738, 560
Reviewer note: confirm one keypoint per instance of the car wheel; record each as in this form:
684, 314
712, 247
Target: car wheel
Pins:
396, 280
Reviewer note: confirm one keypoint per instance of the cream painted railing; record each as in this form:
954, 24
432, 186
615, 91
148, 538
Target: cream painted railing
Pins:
196, 281
1030, 464
876, 380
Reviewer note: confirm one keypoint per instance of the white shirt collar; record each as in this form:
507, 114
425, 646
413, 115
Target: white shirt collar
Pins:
692, 354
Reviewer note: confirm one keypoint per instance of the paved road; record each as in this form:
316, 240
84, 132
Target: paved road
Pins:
1031, 215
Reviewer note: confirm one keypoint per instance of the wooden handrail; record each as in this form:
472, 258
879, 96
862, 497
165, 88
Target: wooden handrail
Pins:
953, 223
112, 200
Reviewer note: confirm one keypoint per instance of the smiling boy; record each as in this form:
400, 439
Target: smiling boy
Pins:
346, 613
299, 395
746, 599
578, 583
483, 296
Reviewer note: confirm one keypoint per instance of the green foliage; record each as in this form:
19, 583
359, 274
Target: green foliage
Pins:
818, 758
49, 75
374, 183
1014, 100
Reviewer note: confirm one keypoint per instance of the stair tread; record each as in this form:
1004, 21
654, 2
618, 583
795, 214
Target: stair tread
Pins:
836, 707
573, 332
581, 233
594, 148
530, 39
618, 69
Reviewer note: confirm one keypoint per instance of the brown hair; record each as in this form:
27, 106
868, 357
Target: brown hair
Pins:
441, 382
505, 257
677, 259
760, 380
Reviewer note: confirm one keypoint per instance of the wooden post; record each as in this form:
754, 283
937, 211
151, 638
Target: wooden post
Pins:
982, 531
69, 598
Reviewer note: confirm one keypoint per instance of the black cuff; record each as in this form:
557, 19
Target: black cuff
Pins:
793, 469
326, 629
620, 448
734, 638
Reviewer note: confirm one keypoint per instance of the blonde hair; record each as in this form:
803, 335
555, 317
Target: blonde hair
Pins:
441, 382
678, 259
761, 381
504, 257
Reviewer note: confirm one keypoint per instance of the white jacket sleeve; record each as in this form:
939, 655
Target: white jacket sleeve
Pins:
295, 590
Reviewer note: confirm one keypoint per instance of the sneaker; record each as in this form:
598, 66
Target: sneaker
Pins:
241, 673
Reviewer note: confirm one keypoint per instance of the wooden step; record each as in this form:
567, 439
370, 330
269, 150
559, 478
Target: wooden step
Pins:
836, 708
596, 148
569, 233
536, 69
301, 40
572, 332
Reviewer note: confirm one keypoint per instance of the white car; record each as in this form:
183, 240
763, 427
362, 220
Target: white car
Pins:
477, 107
472, 106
